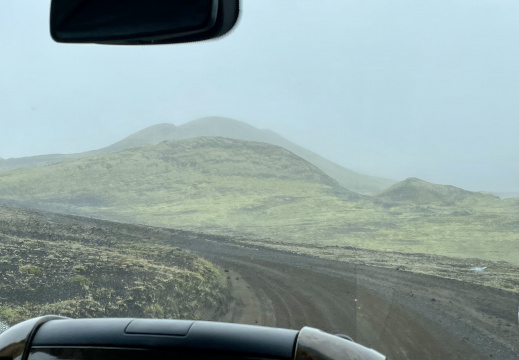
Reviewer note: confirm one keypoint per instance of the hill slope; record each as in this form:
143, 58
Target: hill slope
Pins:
89, 268
220, 127
223, 127
167, 165
265, 193
196, 183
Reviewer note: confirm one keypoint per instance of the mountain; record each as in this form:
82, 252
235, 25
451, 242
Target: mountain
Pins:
209, 126
220, 127
267, 194
207, 184
416, 191
224, 127
199, 175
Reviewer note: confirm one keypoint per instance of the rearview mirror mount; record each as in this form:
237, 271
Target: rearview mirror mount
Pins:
141, 22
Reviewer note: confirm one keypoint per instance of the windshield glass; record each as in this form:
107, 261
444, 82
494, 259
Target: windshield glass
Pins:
346, 165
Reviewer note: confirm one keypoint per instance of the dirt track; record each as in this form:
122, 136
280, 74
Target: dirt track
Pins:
401, 314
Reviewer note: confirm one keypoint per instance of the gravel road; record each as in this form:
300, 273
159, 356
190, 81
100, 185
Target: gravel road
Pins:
401, 314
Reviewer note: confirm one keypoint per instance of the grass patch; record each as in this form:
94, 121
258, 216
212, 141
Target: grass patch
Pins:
31, 270
98, 269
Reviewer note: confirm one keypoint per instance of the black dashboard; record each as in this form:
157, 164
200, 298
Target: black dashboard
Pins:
54, 337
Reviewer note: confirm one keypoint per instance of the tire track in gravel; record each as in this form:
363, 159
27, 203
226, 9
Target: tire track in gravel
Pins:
401, 314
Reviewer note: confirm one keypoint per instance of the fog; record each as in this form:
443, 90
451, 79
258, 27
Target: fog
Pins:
395, 89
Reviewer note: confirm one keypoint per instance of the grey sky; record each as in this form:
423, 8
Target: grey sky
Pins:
391, 88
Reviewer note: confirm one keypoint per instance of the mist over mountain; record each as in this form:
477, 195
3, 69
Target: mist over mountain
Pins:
208, 126
224, 127
221, 127
506, 195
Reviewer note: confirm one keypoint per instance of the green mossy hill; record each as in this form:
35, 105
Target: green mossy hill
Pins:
166, 165
266, 194
204, 179
215, 127
230, 128
207, 184
419, 192
87, 268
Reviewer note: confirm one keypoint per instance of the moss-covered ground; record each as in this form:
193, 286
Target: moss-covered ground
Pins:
89, 269
266, 193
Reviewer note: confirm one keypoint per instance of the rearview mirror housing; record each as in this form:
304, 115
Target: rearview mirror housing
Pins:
141, 22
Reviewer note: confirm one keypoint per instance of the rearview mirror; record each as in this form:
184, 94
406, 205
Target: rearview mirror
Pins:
138, 22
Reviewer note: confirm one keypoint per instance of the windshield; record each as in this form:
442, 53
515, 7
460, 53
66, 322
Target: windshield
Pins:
346, 165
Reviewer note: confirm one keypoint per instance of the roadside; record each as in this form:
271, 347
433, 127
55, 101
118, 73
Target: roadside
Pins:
399, 313
396, 310
496, 274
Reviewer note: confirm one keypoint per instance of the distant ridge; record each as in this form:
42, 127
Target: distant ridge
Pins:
234, 129
506, 195
416, 191
220, 127
208, 126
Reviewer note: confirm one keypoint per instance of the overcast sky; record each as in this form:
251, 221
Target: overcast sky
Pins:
398, 88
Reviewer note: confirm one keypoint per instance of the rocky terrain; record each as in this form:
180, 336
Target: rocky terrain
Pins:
85, 268
406, 306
